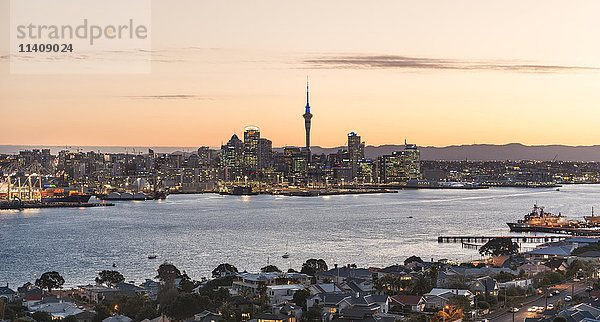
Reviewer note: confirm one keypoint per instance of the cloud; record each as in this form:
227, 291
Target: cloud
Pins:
170, 97
416, 63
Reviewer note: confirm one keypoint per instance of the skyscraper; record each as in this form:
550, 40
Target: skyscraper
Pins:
356, 152
307, 117
251, 140
231, 158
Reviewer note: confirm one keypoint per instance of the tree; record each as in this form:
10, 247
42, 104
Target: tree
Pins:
110, 278
313, 266
549, 278
461, 302
132, 306
186, 305
223, 269
451, 313
270, 268
499, 247
504, 277
391, 285
70, 318
167, 273
412, 259
229, 313
300, 298
49, 281
187, 285
313, 314
41, 316
102, 312
166, 294
421, 285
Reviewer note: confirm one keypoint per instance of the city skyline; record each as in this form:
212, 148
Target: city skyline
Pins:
436, 74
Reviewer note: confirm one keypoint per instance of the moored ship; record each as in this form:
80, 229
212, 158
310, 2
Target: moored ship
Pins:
64, 195
538, 219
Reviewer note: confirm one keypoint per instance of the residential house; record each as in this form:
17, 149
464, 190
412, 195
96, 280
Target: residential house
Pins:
7, 294
117, 318
130, 289
407, 303
463, 275
580, 312
57, 308
439, 297
519, 283
531, 269
207, 316
270, 317
279, 294
85, 316
288, 312
324, 288
250, 282
557, 264
549, 251
334, 303
339, 274
151, 288
357, 285
485, 286
97, 293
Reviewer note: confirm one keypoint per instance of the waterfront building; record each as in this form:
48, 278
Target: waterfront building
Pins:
250, 282
356, 152
400, 166
265, 153
251, 148
231, 159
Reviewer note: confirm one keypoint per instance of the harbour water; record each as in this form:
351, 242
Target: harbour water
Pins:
197, 232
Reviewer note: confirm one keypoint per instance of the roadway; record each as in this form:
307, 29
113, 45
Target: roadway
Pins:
504, 315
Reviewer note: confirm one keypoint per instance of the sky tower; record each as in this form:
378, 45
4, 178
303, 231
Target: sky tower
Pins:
307, 117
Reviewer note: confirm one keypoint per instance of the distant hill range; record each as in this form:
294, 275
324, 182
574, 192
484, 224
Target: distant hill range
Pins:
482, 152
489, 152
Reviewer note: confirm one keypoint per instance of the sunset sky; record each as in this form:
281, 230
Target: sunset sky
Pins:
435, 72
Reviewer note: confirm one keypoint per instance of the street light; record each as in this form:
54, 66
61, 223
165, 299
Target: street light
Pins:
443, 311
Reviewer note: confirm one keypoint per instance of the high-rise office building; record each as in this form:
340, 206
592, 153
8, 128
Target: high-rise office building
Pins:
401, 166
231, 158
251, 142
265, 153
356, 152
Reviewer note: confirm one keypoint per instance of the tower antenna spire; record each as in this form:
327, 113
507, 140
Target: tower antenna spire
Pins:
307, 91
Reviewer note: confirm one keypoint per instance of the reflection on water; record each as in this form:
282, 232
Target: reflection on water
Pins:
197, 232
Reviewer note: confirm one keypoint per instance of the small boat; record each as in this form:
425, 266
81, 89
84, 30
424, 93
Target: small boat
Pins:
153, 254
409, 217
286, 254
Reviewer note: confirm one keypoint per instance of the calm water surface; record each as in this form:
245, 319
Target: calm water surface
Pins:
197, 232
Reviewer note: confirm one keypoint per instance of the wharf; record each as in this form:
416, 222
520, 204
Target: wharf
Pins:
471, 240
331, 192
40, 205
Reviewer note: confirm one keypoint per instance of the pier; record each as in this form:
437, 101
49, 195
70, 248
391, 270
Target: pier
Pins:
39, 205
473, 240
